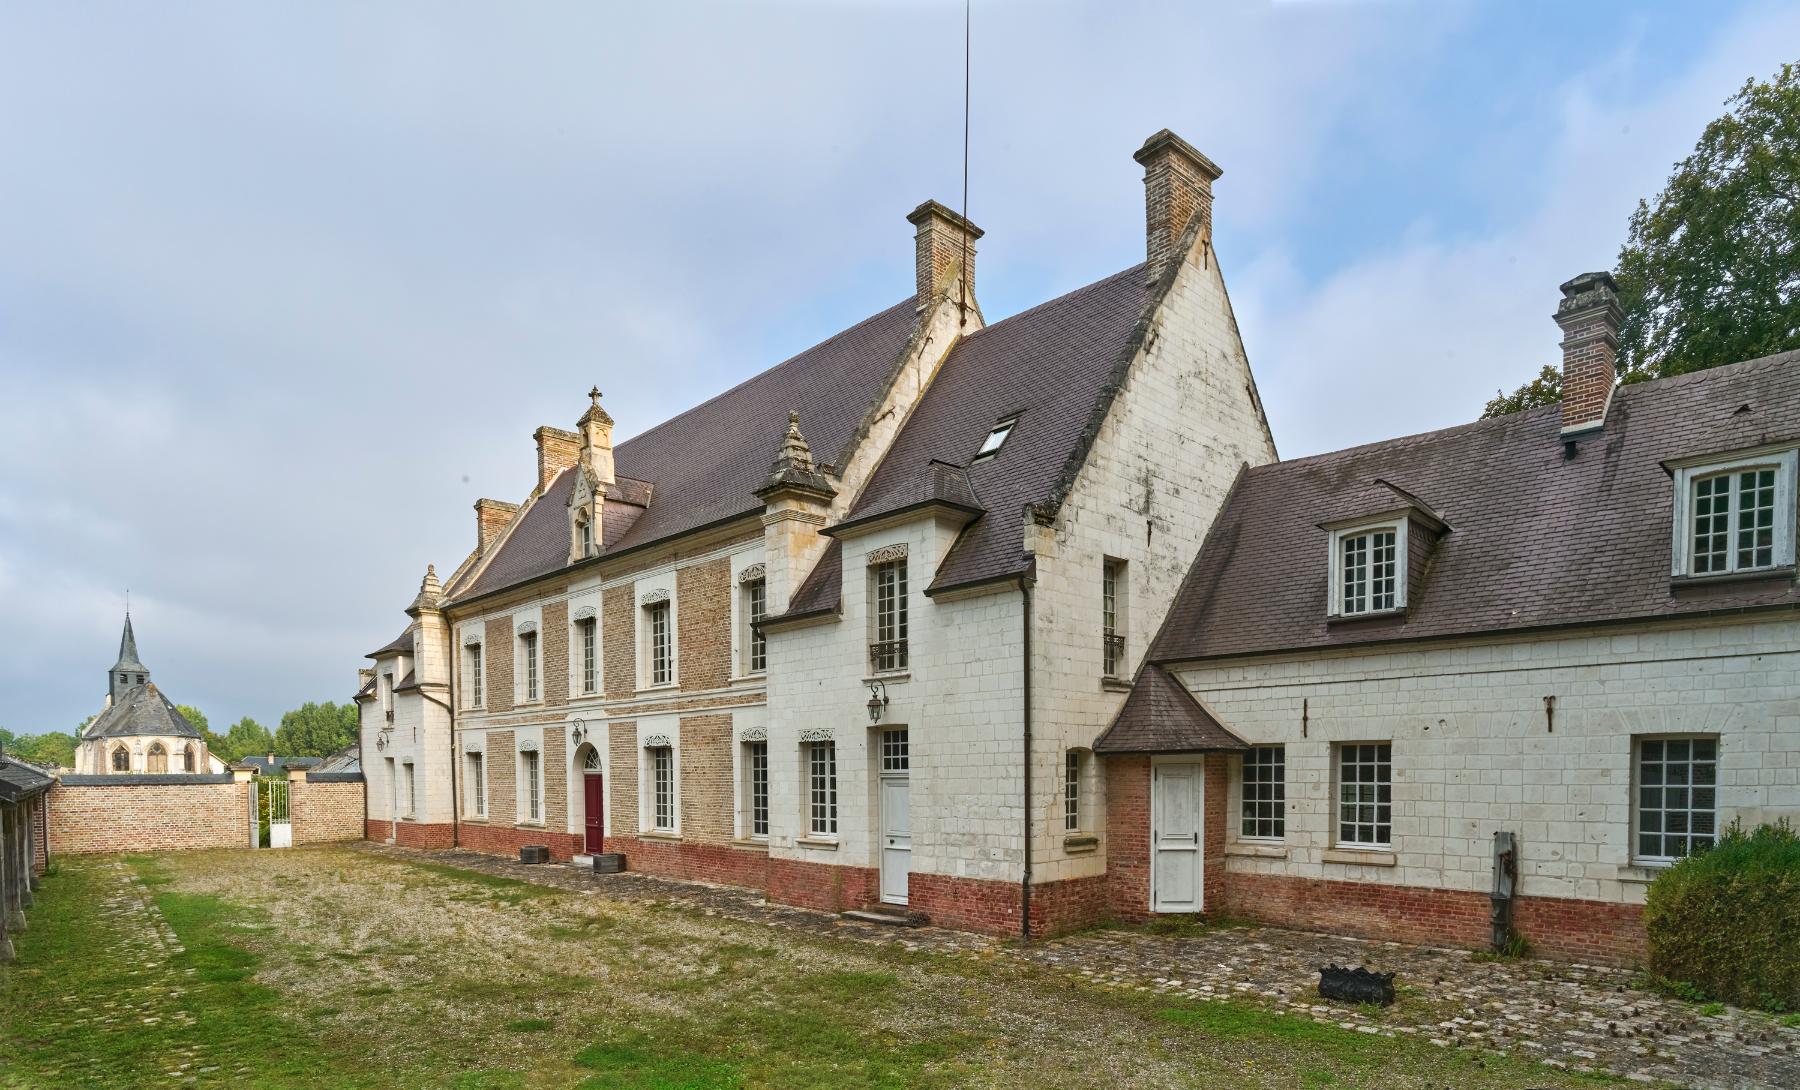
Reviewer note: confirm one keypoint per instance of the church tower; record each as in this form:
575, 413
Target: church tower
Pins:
128, 672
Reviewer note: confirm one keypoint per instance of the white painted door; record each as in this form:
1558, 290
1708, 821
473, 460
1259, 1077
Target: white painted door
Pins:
1176, 865
896, 838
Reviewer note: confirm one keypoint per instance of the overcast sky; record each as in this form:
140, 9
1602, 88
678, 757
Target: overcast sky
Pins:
284, 290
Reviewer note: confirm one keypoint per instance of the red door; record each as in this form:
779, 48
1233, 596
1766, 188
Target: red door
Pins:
596, 812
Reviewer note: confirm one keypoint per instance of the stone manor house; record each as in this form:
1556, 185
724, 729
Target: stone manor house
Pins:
1021, 626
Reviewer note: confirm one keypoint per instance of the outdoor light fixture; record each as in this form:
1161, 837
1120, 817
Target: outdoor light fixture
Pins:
877, 700
578, 731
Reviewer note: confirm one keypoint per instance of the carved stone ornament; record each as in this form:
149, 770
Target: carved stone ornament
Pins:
585, 613
474, 745
896, 551
753, 734
818, 734
651, 597
754, 572
471, 639
528, 745
524, 627
657, 741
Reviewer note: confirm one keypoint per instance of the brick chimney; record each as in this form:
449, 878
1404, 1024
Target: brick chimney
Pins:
1589, 315
938, 250
491, 517
557, 450
1177, 187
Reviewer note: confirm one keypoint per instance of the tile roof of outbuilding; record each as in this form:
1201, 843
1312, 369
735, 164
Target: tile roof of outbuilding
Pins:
1161, 716
1536, 539
22, 780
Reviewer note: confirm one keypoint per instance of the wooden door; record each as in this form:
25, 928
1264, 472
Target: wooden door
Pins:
594, 795
1177, 866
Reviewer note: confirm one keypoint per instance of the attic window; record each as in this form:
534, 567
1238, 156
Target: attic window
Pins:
1735, 515
996, 438
1368, 569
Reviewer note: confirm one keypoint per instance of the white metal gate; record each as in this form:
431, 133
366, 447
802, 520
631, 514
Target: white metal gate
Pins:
270, 823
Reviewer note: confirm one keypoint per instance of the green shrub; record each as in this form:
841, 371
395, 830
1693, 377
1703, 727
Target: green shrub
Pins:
1726, 921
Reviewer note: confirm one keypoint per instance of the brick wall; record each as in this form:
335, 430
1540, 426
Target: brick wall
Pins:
323, 812
555, 629
497, 664
1128, 835
40, 815
503, 778
706, 791
622, 761
555, 770
148, 818
507, 840
723, 863
618, 621
822, 886
703, 624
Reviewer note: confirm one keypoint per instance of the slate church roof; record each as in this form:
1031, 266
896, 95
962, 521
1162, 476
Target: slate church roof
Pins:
141, 710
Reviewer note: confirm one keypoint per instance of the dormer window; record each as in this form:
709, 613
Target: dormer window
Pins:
1734, 516
1368, 569
584, 534
996, 438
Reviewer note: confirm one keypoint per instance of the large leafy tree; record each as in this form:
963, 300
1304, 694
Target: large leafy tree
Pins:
1710, 272
52, 749
316, 730
246, 738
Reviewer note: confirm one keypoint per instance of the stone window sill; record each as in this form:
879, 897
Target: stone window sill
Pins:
1081, 844
475, 819
1115, 684
893, 677
1398, 613
1640, 874
814, 842
1362, 857
751, 843
750, 679
1258, 851
663, 688
530, 825
658, 834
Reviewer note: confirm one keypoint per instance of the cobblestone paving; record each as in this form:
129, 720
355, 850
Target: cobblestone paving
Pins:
1574, 1016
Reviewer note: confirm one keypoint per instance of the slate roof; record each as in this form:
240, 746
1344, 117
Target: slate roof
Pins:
1535, 539
348, 759
1057, 367
821, 590
128, 651
1161, 716
140, 711
21, 780
402, 642
265, 764
705, 465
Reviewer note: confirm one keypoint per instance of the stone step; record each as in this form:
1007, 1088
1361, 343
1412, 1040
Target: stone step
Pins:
887, 915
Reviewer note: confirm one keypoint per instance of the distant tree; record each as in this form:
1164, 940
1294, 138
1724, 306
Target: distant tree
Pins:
316, 730
1710, 271
246, 738
1546, 389
194, 716
52, 749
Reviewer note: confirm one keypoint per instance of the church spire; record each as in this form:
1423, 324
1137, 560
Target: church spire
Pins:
129, 671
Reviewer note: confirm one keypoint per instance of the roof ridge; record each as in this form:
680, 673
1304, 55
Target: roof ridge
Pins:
1718, 371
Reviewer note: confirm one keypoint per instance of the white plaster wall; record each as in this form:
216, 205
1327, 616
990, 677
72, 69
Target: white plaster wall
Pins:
1473, 753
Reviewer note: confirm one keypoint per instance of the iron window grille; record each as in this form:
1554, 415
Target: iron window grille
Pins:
1365, 789
1264, 804
895, 751
1677, 803
755, 606
662, 772
528, 651
822, 793
661, 664
759, 789
1071, 791
887, 652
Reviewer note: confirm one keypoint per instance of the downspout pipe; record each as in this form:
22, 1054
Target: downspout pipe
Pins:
455, 795
1025, 879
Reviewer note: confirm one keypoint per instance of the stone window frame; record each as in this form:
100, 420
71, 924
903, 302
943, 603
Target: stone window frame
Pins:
528, 685
821, 804
529, 782
190, 758
654, 817
151, 755
888, 627
586, 662
410, 776
752, 606
475, 773
1115, 613
474, 672
120, 750
753, 749
1396, 525
1074, 770
1269, 787
1689, 474
1691, 764
649, 603
1351, 754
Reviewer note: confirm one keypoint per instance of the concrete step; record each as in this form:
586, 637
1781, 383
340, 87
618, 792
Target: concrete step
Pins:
887, 915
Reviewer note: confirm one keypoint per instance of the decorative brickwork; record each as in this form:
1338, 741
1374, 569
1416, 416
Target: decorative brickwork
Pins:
703, 624
706, 798
497, 655
618, 620
555, 640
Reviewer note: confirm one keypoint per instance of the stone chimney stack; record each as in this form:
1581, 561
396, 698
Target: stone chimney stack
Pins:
491, 517
938, 251
1589, 315
557, 451
797, 499
595, 435
1177, 188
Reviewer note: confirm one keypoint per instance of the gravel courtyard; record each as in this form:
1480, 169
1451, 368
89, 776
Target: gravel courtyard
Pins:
363, 967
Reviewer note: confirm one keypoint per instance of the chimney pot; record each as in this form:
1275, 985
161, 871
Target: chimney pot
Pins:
938, 251
1590, 317
1177, 189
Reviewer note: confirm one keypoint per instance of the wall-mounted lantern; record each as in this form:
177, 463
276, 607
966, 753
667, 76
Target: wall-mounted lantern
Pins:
578, 731
877, 700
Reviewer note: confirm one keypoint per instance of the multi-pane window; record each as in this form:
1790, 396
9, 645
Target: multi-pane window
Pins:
477, 784
1112, 616
585, 534
590, 673
475, 678
888, 651
896, 750
662, 665
756, 604
157, 760
528, 663
821, 761
662, 789
534, 787
1368, 572
1677, 803
412, 790
1072, 790
1365, 793
759, 788
1734, 521
1264, 804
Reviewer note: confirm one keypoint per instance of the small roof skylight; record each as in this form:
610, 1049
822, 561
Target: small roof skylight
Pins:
996, 438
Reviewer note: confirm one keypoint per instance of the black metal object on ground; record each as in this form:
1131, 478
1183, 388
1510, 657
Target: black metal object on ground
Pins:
534, 853
608, 862
1356, 985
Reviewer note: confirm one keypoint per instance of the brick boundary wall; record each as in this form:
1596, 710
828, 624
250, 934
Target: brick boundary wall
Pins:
325, 812
87, 818
40, 827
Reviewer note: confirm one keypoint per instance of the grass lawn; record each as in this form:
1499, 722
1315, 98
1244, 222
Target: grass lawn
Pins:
335, 968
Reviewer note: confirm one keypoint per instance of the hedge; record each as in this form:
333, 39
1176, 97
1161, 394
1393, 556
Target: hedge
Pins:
1726, 921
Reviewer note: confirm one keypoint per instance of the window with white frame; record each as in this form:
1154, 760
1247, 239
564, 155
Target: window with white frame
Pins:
472, 668
756, 776
887, 651
476, 774
659, 651
1263, 805
387, 694
1677, 811
755, 606
532, 773
1112, 616
821, 809
584, 533
996, 438
412, 790
528, 666
896, 750
1072, 790
662, 789
1735, 516
587, 638
1368, 569
1365, 794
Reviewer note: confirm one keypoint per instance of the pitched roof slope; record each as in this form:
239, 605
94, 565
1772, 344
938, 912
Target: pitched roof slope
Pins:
1161, 716
705, 465
141, 711
1050, 365
1535, 539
